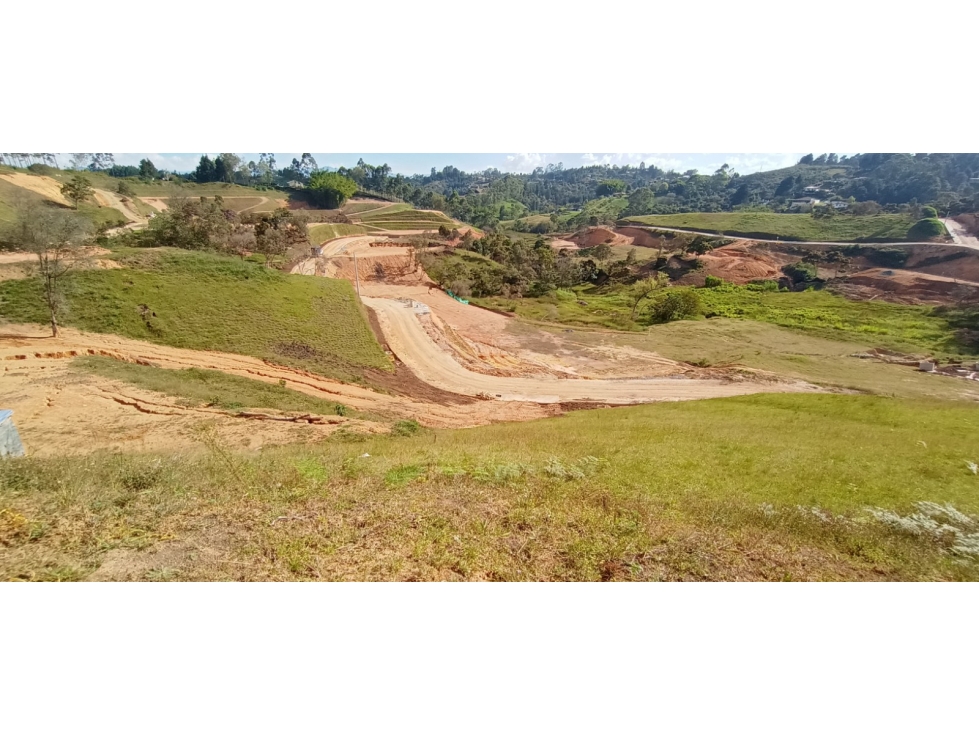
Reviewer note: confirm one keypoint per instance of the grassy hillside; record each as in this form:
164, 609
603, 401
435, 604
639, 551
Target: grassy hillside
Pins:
398, 218
204, 301
777, 487
876, 323
799, 227
9, 193
320, 233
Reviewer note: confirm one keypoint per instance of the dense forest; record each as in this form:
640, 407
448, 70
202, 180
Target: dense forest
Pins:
948, 181
602, 193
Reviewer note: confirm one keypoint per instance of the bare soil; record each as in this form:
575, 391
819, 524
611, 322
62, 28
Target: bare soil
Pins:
46, 186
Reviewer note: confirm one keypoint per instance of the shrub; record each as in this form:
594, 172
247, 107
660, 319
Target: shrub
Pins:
926, 229
712, 281
929, 212
800, 272
405, 428
677, 305
763, 285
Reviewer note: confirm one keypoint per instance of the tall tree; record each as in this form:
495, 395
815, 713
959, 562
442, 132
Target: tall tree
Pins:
232, 164
77, 189
205, 170
101, 162
221, 172
79, 160
147, 170
643, 289
331, 189
55, 237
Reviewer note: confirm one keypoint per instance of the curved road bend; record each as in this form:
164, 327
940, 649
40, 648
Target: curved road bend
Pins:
408, 340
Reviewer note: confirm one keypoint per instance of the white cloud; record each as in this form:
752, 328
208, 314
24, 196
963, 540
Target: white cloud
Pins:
525, 162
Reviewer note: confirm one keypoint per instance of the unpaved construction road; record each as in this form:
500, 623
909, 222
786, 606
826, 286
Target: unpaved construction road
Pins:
408, 340
956, 240
960, 235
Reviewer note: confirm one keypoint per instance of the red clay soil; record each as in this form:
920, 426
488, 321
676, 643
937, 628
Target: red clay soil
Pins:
738, 263
594, 236
912, 287
645, 238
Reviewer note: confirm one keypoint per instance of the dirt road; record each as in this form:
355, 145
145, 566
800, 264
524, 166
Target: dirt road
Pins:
409, 341
657, 228
114, 201
960, 235
23, 346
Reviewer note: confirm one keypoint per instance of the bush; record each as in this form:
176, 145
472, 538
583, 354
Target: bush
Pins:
801, 272
763, 285
926, 229
929, 212
405, 428
677, 305
712, 281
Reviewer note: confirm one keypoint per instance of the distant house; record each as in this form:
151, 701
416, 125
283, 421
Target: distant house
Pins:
812, 189
805, 204
839, 204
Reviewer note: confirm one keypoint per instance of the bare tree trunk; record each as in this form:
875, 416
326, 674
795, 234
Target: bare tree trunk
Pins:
54, 325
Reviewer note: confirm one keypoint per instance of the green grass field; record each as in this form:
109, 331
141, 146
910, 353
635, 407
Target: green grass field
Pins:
320, 233
365, 210
799, 227
767, 487
197, 387
875, 323
204, 301
420, 225
384, 211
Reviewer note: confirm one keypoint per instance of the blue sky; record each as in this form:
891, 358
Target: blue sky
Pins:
411, 163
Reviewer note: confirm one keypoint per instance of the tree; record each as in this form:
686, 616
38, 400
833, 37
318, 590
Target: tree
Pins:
740, 196
785, 187
602, 253
55, 237
79, 160
101, 162
205, 170
271, 242
609, 187
806, 160
147, 170
678, 304
643, 289
228, 165
304, 167
221, 172
929, 212
76, 190
125, 189
279, 231
331, 189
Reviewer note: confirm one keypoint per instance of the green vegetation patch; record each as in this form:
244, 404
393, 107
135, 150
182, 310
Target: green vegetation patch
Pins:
799, 227
895, 326
211, 302
658, 492
320, 233
198, 387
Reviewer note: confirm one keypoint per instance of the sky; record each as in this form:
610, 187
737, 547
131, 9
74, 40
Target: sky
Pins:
412, 163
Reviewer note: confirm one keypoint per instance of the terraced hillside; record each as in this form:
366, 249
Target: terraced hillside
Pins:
798, 227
